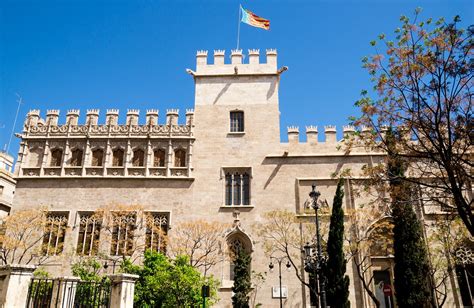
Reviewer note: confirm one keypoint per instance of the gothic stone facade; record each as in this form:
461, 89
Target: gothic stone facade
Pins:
226, 155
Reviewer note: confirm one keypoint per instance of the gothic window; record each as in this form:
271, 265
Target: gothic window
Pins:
56, 157
89, 232
156, 231
159, 158
117, 158
97, 157
180, 158
236, 243
138, 159
237, 188
54, 233
236, 121
76, 157
123, 232
35, 157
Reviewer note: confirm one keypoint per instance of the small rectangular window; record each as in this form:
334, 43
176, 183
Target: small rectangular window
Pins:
236, 121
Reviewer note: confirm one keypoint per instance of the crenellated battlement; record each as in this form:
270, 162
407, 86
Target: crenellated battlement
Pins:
239, 64
35, 126
330, 134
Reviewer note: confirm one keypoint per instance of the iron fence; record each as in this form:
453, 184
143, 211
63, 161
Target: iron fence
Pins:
53, 293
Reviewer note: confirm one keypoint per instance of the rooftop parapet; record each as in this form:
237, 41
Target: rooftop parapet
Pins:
52, 116
152, 116
189, 117
132, 116
236, 65
172, 116
293, 134
35, 127
32, 117
112, 116
312, 134
72, 116
330, 133
348, 130
92, 117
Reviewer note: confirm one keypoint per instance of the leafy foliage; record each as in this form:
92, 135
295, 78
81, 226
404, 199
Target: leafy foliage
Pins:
423, 82
88, 269
412, 284
242, 280
337, 287
168, 283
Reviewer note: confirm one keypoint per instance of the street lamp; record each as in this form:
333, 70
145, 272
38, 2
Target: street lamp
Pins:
271, 266
314, 263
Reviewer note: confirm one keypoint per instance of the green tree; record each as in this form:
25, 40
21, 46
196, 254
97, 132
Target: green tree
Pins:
422, 84
168, 283
412, 270
337, 288
242, 280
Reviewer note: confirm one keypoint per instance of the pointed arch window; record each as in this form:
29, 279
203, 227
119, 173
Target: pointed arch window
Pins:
180, 158
97, 157
159, 158
117, 158
76, 157
138, 159
56, 157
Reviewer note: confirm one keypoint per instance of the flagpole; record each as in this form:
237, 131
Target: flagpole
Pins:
238, 27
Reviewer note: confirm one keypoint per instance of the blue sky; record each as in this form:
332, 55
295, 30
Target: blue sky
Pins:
133, 54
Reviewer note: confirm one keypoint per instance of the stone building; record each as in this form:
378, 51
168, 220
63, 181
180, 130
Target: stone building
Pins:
226, 155
7, 184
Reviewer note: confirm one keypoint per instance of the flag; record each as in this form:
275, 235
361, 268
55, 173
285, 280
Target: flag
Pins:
254, 20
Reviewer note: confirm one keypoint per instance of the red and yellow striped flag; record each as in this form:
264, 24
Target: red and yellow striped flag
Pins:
256, 21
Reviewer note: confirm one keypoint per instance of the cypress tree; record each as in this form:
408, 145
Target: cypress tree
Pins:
337, 287
412, 280
242, 281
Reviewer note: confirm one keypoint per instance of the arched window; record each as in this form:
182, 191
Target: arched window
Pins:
138, 159
381, 238
180, 158
76, 157
117, 158
159, 158
56, 157
35, 157
97, 157
236, 243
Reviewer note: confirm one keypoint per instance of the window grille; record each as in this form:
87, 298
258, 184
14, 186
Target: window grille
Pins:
76, 158
123, 232
117, 158
237, 188
97, 157
236, 121
56, 157
89, 233
138, 159
156, 231
180, 158
54, 234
